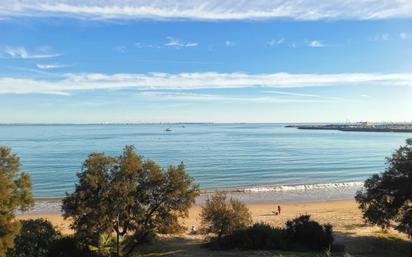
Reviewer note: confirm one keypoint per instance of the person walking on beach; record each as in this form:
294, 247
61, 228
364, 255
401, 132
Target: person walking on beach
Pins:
279, 209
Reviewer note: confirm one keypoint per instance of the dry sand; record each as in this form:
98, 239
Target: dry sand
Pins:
342, 214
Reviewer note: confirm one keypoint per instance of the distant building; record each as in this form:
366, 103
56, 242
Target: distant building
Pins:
363, 124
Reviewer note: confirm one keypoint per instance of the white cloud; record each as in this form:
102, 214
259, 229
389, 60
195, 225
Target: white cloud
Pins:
275, 42
315, 43
71, 82
380, 37
404, 35
191, 44
229, 43
120, 49
142, 45
50, 66
23, 53
182, 96
173, 42
209, 9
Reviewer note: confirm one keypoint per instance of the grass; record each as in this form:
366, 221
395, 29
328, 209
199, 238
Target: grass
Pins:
378, 243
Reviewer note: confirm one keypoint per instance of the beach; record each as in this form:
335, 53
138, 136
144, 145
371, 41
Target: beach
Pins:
349, 229
342, 214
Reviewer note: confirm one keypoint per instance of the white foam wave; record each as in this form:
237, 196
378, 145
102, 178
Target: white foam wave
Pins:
303, 187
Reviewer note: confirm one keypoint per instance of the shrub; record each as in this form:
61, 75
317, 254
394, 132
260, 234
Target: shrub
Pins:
34, 238
69, 247
260, 236
300, 234
223, 217
306, 233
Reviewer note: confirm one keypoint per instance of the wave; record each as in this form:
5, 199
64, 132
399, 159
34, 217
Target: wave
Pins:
290, 188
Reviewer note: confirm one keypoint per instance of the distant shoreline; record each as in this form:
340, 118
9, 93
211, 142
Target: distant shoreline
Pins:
286, 124
363, 127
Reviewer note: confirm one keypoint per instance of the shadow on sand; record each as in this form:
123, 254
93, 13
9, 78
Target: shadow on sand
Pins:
379, 245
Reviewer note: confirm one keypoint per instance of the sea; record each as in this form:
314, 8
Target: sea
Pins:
255, 162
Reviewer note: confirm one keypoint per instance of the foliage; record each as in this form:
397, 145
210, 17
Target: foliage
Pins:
68, 246
300, 233
309, 234
105, 244
15, 194
127, 195
260, 236
222, 217
387, 197
34, 239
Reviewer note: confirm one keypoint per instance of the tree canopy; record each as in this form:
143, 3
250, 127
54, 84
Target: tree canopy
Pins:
15, 194
34, 239
129, 196
387, 197
222, 217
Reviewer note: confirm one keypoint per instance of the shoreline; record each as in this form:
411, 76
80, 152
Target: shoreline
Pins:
396, 127
262, 194
274, 188
342, 214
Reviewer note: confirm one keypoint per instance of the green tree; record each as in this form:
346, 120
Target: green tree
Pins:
222, 217
34, 239
387, 197
88, 204
15, 194
129, 196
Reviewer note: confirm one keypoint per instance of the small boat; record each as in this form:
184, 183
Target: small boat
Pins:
168, 130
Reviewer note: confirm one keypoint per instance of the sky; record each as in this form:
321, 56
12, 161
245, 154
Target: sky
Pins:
121, 61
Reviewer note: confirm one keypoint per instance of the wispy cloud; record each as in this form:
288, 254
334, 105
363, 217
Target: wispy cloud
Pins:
275, 42
404, 35
183, 96
173, 42
303, 95
51, 66
70, 82
380, 37
23, 53
229, 43
315, 43
209, 9
120, 49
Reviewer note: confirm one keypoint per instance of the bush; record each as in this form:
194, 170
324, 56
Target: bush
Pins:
300, 234
306, 233
223, 217
69, 247
260, 236
34, 239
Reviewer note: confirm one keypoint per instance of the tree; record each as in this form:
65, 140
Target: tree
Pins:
387, 198
88, 204
34, 239
15, 194
129, 196
222, 217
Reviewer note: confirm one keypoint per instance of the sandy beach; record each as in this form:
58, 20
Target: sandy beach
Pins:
342, 214
349, 230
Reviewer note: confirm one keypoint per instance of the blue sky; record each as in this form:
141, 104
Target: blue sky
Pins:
207, 61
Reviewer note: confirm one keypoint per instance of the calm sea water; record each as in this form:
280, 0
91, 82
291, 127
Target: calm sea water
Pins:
252, 156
